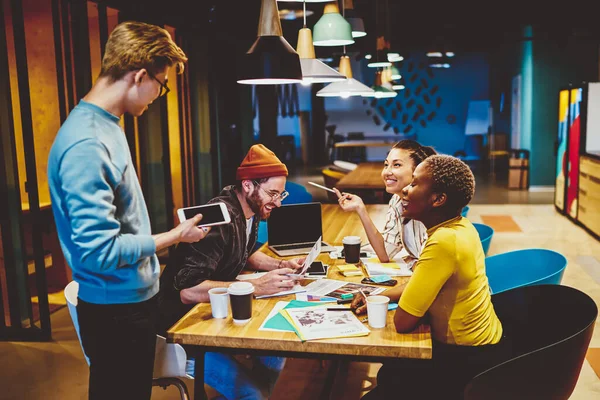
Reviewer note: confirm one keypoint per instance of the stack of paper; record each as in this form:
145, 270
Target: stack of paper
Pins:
396, 268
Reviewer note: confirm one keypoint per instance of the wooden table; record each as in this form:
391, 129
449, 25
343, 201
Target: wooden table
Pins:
366, 175
365, 181
197, 328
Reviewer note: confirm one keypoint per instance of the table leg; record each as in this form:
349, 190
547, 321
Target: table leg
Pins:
199, 392
329, 380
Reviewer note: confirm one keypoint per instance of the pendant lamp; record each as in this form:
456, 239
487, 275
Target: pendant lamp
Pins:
332, 29
356, 22
380, 91
271, 60
346, 88
313, 70
379, 61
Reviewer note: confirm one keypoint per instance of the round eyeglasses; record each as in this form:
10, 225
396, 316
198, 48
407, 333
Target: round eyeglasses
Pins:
274, 195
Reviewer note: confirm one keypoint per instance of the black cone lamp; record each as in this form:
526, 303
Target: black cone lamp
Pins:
271, 60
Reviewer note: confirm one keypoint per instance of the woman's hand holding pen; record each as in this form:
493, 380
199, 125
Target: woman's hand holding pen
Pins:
348, 201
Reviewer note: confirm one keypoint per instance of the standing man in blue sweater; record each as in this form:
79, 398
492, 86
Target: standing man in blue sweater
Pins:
101, 216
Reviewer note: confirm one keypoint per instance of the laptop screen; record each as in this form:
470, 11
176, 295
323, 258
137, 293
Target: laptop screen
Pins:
295, 223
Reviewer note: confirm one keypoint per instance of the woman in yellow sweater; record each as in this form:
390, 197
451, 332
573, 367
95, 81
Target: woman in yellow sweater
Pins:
449, 287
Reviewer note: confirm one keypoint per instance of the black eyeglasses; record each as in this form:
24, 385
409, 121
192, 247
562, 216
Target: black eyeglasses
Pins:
164, 89
274, 196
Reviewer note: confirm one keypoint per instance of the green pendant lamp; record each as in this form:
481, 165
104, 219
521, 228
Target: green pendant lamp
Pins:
379, 90
332, 29
271, 60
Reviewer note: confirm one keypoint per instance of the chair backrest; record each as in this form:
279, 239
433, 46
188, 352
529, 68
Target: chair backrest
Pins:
169, 358
297, 194
523, 268
345, 165
331, 178
71, 291
485, 234
550, 328
464, 211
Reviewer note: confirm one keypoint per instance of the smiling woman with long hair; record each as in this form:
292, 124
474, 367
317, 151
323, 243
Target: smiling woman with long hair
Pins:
449, 287
398, 232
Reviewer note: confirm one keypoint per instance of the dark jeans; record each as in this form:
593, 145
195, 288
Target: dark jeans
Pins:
443, 377
119, 340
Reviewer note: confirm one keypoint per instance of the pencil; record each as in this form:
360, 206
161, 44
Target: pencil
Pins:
322, 187
340, 309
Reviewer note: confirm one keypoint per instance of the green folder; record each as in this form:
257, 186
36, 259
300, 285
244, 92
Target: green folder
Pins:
279, 322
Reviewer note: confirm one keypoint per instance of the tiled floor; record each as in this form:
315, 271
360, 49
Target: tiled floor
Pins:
57, 370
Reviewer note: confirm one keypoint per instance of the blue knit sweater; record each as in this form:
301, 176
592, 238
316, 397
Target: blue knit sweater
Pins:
99, 210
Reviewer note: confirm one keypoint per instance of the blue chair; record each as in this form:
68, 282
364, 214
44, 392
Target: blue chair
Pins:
297, 194
524, 268
485, 234
464, 211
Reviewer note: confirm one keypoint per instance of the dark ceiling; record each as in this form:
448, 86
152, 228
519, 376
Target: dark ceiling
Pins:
409, 24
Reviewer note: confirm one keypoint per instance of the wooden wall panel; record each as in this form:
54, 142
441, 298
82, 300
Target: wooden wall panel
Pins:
94, 32
174, 137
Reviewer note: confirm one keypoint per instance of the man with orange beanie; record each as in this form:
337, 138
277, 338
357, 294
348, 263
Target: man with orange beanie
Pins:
221, 256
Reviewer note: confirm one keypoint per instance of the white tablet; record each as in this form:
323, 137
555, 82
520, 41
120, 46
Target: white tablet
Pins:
212, 214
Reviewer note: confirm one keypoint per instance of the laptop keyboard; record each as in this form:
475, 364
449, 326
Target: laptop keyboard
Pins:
293, 246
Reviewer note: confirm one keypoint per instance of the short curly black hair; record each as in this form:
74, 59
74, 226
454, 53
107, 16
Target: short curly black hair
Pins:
453, 177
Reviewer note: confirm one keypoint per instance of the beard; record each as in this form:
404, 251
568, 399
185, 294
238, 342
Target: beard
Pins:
256, 204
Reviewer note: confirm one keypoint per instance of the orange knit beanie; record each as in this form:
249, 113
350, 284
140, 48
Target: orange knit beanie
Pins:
260, 162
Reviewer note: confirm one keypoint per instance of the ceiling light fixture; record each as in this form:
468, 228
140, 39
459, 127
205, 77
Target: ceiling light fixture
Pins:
332, 29
356, 22
313, 70
271, 60
347, 88
379, 90
379, 62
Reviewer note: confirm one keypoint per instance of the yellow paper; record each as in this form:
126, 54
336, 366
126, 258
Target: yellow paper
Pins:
392, 265
348, 267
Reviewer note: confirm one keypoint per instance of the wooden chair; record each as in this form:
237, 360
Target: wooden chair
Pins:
331, 178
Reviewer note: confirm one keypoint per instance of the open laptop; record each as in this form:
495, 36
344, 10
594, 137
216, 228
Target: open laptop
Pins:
293, 229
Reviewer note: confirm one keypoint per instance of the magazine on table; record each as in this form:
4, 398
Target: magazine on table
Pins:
312, 323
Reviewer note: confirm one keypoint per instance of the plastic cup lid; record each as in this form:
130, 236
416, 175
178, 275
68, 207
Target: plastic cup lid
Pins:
351, 240
240, 288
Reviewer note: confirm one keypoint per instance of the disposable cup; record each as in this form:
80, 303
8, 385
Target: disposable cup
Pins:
377, 308
240, 296
351, 249
219, 302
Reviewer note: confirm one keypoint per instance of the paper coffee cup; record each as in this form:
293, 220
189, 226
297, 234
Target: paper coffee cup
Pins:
240, 297
219, 302
377, 308
351, 249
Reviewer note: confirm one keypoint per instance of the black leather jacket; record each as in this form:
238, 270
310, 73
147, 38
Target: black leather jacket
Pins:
220, 256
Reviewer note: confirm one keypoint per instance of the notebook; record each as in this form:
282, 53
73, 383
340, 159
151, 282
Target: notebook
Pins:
293, 229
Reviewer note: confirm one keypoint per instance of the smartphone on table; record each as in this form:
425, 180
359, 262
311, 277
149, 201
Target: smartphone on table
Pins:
391, 282
212, 214
317, 268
